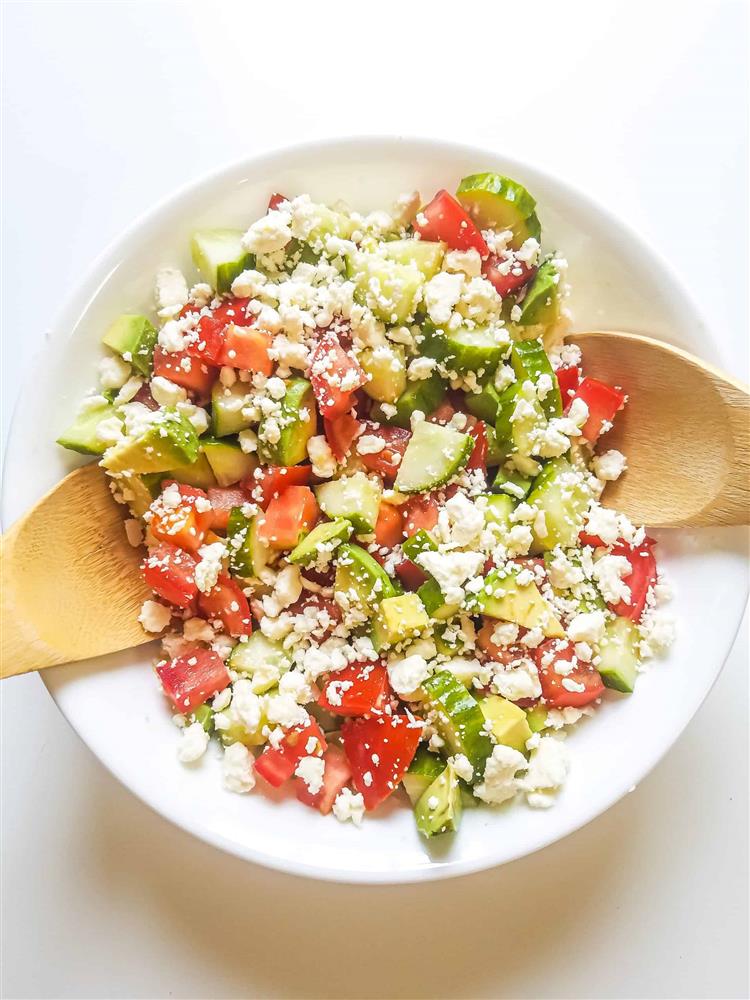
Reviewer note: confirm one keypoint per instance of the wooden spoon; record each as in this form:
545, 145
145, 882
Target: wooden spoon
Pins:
685, 432
71, 585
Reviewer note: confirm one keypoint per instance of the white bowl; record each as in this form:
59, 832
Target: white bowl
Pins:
115, 704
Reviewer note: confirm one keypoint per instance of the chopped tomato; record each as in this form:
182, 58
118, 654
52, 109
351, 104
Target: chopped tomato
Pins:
289, 517
641, 578
358, 689
324, 611
603, 402
170, 573
335, 376
446, 220
507, 279
246, 347
222, 499
227, 603
269, 481
183, 525
192, 678
278, 764
478, 457
499, 654
208, 343
574, 689
340, 433
443, 414
275, 200
387, 461
411, 575
194, 375
388, 527
379, 750
587, 539
337, 774
419, 512
568, 379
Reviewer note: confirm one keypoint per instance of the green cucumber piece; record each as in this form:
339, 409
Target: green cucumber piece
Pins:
431, 340
511, 483
329, 222
220, 257
439, 809
257, 654
134, 336
391, 290
496, 453
509, 723
425, 396
248, 555
505, 598
561, 492
498, 510
497, 202
484, 404
226, 409
322, 534
458, 718
434, 454
355, 498
361, 579
82, 435
418, 543
431, 596
228, 461
618, 652
298, 422
526, 426
398, 619
205, 716
167, 442
529, 361
427, 257
386, 367
423, 770
541, 304
477, 350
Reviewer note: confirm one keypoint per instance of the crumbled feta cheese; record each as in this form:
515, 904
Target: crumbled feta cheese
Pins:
603, 523
441, 294
587, 627
208, 569
166, 393
407, 674
500, 783
517, 680
451, 570
311, 770
323, 462
283, 708
610, 466
113, 372
370, 444
349, 805
466, 262
466, 520
562, 573
548, 768
248, 284
421, 368
608, 573
197, 630
193, 743
657, 629
268, 234
154, 616
462, 766
171, 291
505, 633
109, 431
237, 768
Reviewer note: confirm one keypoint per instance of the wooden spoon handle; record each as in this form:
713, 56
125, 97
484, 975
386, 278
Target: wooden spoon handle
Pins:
732, 505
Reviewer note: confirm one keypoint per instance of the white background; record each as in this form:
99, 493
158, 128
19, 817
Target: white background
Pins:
109, 106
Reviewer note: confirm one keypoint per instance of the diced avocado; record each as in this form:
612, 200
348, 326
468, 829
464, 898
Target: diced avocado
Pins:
424, 255
326, 533
484, 404
228, 461
398, 619
355, 497
248, 555
530, 362
425, 395
439, 809
168, 441
510, 725
386, 366
458, 718
82, 435
418, 543
298, 422
561, 493
391, 290
198, 473
432, 597
260, 659
477, 350
220, 257
135, 337
505, 598
512, 483
618, 651
497, 202
137, 492
536, 718
361, 581
498, 510
423, 770
541, 304
434, 455
227, 404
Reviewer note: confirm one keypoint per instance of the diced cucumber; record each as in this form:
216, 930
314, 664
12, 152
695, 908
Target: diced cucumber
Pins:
386, 366
418, 543
498, 510
434, 455
134, 336
226, 409
248, 555
509, 722
505, 598
198, 473
322, 534
561, 493
228, 461
541, 304
512, 483
484, 404
136, 492
389, 289
497, 202
496, 453
425, 396
529, 422
432, 342
478, 350
530, 361
168, 441
423, 770
422, 254
355, 497
298, 422
329, 222
260, 659
220, 257
361, 580
619, 658
458, 718
432, 597
398, 619
82, 435
439, 809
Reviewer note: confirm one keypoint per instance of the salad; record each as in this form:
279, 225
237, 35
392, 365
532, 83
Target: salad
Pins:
365, 467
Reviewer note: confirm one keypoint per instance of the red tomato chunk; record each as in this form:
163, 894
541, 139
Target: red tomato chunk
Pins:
170, 573
335, 376
191, 679
640, 580
278, 764
227, 603
289, 518
584, 684
337, 774
445, 219
603, 402
379, 750
358, 689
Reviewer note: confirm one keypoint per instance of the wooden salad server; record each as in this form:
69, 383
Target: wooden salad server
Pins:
685, 431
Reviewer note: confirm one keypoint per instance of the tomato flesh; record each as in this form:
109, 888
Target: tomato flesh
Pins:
340, 433
419, 512
170, 573
587, 681
191, 679
387, 461
568, 379
246, 347
379, 750
227, 603
278, 764
641, 579
509, 282
337, 774
335, 376
356, 690
289, 517
603, 402
445, 219
184, 525
222, 499
388, 527
269, 482
478, 457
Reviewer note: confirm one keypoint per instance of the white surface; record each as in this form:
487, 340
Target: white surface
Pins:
90, 864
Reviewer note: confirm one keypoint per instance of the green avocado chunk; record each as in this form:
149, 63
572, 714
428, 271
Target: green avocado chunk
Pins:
322, 534
423, 770
361, 581
298, 422
439, 808
509, 723
133, 337
228, 461
541, 304
82, 435
167, 441
398, 619
505, 598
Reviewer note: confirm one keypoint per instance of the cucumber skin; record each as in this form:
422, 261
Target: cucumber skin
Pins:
529, 361
425, 396
406, 482
564, 515
460, 718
